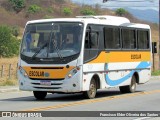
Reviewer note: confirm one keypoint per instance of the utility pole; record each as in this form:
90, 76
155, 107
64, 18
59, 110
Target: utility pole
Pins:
159, 34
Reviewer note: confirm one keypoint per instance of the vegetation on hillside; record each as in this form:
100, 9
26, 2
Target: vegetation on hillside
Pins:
67, 11
121, 12
88, 10
17, 5
38, 9
15, 13
9, 45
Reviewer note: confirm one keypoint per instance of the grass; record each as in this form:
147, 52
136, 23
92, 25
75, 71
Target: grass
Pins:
155, 73
6, 62
4, 81
8, 82
13, 60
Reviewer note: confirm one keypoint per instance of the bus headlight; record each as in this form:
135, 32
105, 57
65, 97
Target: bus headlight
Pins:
22, 71
72, 72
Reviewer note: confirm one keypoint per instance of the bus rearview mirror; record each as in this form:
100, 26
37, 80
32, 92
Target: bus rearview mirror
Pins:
154, 47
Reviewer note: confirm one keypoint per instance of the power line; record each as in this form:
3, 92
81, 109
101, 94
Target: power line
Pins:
153, 5
129, 6
104, 1
121, 5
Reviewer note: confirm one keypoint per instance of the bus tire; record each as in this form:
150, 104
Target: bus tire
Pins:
129, 88
91, 93
39, 95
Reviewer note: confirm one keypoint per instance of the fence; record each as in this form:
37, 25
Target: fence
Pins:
8, 71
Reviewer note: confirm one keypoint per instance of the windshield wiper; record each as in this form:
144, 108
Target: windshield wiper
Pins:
58, 52
35, 54
54, 44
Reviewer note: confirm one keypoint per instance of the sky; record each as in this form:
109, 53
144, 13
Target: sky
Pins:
138, 4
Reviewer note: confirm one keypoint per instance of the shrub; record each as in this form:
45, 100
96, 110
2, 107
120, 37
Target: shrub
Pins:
15, 31
121, 12
88, 11
9, 45
18, 5
49, 10
34, 9
67, 11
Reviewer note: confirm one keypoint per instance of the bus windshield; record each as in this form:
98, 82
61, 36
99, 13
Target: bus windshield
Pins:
52, 40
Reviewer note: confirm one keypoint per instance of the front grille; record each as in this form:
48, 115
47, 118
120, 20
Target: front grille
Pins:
47, 67
47, 87
46, 79
51, 83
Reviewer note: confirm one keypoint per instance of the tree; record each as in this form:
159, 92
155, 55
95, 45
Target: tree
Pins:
67, 11
34, 8
121, 12
9, 45
18, 5
87, 11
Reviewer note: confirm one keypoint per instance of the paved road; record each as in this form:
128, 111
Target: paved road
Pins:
147, 98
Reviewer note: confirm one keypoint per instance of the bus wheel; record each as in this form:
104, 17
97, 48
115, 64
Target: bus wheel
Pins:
129, 88
39, 95
91, 93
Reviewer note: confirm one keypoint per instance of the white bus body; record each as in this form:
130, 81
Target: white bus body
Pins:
101, 52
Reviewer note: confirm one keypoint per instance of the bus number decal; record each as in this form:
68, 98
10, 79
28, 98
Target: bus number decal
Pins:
135, 56
36, 73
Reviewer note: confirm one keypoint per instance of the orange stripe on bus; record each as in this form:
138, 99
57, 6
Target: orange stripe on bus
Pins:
52, 73
120, 56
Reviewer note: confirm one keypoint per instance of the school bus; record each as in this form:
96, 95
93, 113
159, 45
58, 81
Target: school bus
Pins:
84, 54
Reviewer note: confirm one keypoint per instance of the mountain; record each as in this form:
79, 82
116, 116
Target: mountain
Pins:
147, 15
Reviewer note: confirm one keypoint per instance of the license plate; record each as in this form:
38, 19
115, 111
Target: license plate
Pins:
44, 82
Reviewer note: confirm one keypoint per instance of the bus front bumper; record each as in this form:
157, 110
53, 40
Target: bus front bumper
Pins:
65, 85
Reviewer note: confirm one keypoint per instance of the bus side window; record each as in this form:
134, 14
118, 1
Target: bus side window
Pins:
94, 40
91, 40
143, 39
87, 40
112, 38
128, 38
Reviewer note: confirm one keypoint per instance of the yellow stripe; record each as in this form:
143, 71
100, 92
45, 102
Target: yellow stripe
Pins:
53, 73
93, 101
122, 56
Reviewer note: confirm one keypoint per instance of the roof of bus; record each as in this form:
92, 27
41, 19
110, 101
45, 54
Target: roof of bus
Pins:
103, 20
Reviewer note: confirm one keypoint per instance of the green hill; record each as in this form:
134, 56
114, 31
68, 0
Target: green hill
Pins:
43, 9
